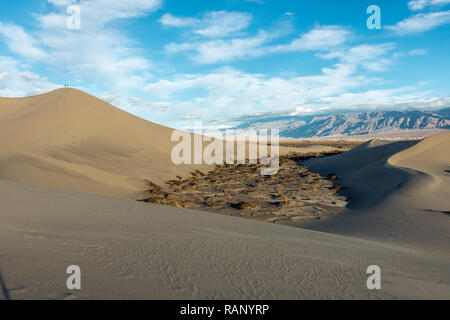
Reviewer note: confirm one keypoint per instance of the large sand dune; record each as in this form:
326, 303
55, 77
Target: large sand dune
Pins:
432, 158
399, 193
71, 140
363, 171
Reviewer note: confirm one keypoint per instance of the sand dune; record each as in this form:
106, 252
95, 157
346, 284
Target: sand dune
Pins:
432, 158
407, 204
430, 155
71, 140
363, 171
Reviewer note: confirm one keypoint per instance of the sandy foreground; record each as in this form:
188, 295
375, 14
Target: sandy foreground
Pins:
130, 250
398, 218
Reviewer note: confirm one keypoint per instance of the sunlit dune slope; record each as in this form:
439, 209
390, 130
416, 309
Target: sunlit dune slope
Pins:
432, 158
71, 140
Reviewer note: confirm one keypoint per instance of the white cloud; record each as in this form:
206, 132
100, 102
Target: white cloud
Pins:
213, 24
4, 76
172, 21
370, 57
20, 42
222, 23
421, 22
417, 52
214, 51
98, 52
380, 98
415, 5
28, 76
227, 90
220, 50
319, 38
62, 2
100, 12
17, 81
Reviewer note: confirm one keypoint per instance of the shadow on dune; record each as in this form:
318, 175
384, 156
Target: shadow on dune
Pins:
364, 171
4, 289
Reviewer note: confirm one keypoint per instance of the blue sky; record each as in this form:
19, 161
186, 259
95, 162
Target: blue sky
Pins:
176, 62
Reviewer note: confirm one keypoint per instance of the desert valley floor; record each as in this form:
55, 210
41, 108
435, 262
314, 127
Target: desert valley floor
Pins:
69, 191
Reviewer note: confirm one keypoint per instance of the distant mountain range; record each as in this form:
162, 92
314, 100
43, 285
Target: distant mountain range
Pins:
349, 124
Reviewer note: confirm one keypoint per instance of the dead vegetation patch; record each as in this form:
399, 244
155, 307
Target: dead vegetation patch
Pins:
293, 194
